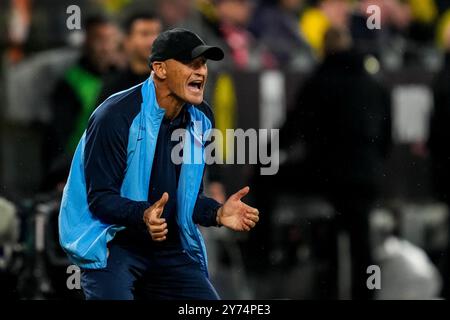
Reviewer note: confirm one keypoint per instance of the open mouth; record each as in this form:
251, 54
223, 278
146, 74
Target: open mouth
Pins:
195, 86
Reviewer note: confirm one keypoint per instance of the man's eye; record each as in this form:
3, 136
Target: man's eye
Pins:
195, 64
199, 64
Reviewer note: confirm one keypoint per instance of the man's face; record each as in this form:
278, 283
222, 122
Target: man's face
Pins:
142, 34
102, 44
187, 80
234, 12
337, 11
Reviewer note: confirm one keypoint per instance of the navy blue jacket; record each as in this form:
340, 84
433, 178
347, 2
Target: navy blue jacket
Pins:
105, 162
122, 165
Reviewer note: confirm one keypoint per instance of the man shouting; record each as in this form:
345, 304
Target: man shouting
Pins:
129, 212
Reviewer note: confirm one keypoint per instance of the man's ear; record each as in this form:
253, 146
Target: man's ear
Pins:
160, 69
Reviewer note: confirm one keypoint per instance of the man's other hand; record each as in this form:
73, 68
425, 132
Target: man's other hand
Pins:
156, 225
237, 215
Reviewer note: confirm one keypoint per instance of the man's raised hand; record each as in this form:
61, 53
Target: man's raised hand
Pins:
156, 225
237, 215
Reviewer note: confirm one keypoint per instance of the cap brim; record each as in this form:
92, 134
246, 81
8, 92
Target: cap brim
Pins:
209, 52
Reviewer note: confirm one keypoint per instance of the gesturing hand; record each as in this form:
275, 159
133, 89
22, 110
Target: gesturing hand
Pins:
156, 225
236, 215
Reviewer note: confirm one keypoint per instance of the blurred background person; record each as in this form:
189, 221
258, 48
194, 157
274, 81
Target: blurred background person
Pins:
233, 17
395, 18
225, 23
275, 24
319, 16
76, 94
141, 29
174, 12
342, 116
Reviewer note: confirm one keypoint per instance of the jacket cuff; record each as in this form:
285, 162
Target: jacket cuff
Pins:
137, 217
205, 212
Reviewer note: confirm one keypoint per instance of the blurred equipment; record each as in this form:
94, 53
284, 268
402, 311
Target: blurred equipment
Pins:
406, 272
9, 235
44, 272
9, 230
303, 256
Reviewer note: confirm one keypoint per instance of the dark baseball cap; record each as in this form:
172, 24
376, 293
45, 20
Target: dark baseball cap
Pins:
182, 45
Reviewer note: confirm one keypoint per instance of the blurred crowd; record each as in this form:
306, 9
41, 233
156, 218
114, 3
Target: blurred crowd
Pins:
335, 142
256, 33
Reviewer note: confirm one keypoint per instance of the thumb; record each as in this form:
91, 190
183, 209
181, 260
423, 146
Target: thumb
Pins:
241, 193
162, 202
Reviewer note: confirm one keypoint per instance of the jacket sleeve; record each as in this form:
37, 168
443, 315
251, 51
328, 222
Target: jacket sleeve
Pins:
205, 210
105, 159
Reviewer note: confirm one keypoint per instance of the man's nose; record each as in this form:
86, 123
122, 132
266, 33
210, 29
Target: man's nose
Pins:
202, 70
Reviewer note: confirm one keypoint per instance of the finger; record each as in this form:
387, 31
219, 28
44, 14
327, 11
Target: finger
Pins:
162, 202
159, 205
160, 239
156, 213
252, 210
159, 228
156, 221
157, 235
241, 193
252, 217
249, 223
